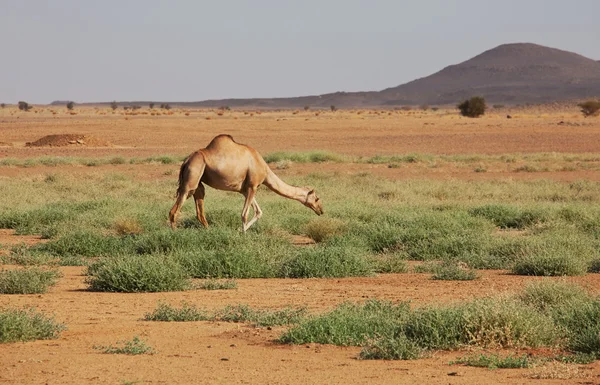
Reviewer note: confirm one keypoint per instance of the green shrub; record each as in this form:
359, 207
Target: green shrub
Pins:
136, 274
27, 281
27, 325
508, 216
214, 284
322, 229
494, 361
505, 322
399, 348
473, 107
383, 263
167, 313
327, 261
133, 347
454, 272
581, 324
556, 253
349, 324
548, 294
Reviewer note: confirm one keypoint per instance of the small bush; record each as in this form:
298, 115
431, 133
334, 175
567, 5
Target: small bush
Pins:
70, 105
133, 347
24, 106
589, 108
167, 313
400, 348
151, 105
383, 263
214, 284
137, 274
547, 264
473, 107
547, 294
27, 325
505, 216
128, 227
350, 324
494, 361
454, 272
329, 261
114, 105
321, 230
27, 281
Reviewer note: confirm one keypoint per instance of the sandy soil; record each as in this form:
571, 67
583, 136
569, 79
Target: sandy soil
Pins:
194, 352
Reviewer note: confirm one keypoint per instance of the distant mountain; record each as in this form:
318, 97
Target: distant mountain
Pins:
509, 73
514, 73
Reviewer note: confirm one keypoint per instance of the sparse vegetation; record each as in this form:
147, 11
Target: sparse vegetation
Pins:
27, 325
32, 280
473, 107
134, 347
333, 108
151, 105
589, 108
321, 230
215, 284
230, 313
454, 272
2, 105
114, 105
494, 361
388, 331
168, 313
70, 105
137, 274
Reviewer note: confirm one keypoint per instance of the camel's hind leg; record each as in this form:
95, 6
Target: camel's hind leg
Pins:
199, 198
189, 180
249, 194
257, 213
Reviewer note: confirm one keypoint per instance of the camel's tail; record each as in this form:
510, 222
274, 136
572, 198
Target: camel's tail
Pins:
190, 173
182, 171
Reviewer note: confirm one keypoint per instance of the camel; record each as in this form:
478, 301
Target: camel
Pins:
230, 166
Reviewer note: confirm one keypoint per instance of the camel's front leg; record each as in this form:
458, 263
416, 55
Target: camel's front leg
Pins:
250, 193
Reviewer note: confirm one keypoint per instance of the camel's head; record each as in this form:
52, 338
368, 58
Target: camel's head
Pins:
313, 202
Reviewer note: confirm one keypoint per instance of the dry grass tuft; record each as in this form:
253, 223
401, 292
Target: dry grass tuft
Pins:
558, 371
321, 229
128, 227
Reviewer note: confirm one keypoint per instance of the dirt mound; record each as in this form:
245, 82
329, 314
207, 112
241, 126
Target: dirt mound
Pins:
69, 140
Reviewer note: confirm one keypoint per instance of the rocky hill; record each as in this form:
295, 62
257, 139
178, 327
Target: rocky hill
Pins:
510, 73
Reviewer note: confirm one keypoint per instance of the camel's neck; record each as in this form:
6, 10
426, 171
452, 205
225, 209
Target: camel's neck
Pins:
273, 182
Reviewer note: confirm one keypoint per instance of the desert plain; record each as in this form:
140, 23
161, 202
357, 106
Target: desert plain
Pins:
552, 145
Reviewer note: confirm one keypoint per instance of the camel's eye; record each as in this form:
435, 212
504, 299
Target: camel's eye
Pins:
316, 200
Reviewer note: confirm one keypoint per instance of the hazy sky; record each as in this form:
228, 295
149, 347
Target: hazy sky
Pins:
190, 50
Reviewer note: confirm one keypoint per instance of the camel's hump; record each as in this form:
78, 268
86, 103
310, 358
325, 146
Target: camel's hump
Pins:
220, 138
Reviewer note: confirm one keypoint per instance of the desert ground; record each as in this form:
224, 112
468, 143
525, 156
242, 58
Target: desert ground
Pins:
553, 144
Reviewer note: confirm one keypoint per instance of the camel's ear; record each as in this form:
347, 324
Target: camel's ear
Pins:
311, 191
